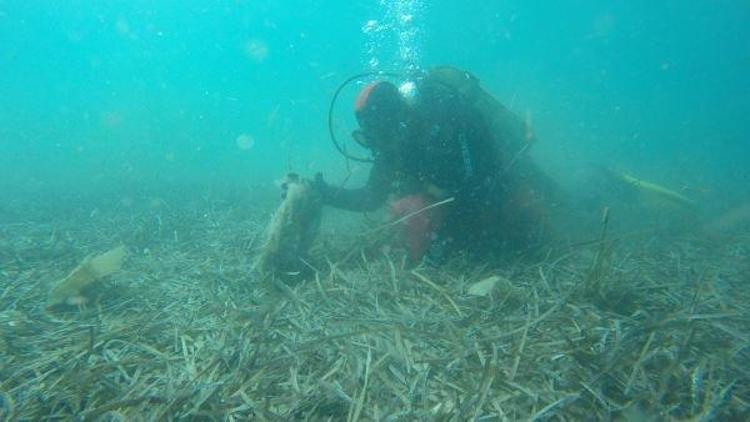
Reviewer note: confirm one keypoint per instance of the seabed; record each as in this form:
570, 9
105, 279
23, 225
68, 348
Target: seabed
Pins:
632, 327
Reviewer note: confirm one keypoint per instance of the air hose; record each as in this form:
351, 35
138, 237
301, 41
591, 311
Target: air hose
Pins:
339, 146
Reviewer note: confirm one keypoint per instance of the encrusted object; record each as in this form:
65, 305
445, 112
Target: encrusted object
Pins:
292, 230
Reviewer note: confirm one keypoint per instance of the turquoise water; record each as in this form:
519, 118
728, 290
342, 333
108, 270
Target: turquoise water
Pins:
161, 93
165, 126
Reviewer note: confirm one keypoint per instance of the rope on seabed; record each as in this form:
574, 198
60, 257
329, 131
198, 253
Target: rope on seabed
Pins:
412, 214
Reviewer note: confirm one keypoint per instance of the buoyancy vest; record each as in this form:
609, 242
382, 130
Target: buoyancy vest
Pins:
511, 134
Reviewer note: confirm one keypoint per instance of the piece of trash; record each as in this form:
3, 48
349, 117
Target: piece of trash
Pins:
483, 287
69, 291
292, 230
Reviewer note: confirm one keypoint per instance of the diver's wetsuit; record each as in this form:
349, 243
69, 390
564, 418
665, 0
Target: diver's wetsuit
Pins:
450, 144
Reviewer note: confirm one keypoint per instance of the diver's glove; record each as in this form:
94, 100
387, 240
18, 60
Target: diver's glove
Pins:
323, 189
289, 178
317, 184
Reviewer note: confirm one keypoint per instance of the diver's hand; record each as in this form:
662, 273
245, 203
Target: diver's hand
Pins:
318, 183
289, 178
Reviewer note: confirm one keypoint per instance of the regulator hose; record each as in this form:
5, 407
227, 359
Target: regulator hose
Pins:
339, 146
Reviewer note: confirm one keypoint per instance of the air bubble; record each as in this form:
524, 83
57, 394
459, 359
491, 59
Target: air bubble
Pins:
245, 142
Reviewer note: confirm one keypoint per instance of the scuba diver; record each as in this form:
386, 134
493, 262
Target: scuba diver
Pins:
454, 161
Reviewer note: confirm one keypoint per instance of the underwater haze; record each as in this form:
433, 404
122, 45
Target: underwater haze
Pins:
113, 94
150, 269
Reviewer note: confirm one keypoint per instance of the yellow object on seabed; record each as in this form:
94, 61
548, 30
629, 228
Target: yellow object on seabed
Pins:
658, 190
69, 291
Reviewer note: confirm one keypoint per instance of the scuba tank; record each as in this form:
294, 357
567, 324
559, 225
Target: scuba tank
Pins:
511, 132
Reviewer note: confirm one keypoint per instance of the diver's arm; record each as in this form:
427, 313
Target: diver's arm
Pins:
367, 198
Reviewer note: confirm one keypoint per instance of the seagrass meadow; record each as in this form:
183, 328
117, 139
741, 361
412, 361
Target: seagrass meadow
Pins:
651, 325
174, 244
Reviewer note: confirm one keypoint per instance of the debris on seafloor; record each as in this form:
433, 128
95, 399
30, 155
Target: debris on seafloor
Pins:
69, 291
292, 229
657, 191
483, 287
